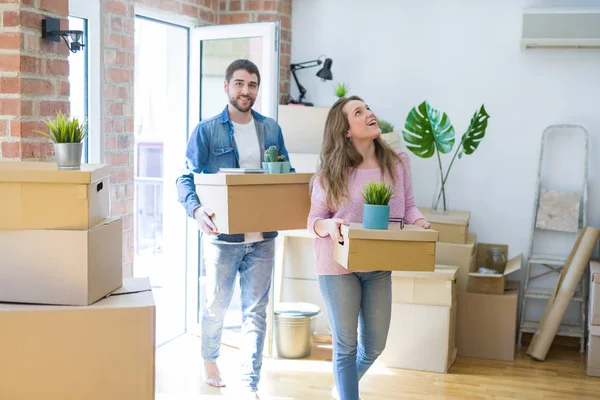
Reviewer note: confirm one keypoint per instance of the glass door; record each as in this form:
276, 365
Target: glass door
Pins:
160, 140
213, 48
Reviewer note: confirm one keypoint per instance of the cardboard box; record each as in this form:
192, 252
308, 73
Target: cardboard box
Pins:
487, 324
593, 352
98, 352
421, 338
453, 227
421, 335
436, 288
78, 199
393, 249
490, 283
594, 305
245, 203
460, 255
68, 267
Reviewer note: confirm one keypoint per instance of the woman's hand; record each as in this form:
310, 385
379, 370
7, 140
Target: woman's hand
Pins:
331, 227
422, 222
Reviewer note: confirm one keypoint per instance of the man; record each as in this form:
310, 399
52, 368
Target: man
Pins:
237, 138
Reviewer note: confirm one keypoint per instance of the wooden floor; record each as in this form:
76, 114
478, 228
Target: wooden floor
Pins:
561, 376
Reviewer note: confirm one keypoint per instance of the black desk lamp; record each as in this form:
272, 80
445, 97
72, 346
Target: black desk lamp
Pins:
324, 73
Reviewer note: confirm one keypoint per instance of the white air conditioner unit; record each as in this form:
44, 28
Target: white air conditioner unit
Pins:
561, 28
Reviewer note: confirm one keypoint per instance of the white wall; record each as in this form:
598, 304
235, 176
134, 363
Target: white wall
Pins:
457, 55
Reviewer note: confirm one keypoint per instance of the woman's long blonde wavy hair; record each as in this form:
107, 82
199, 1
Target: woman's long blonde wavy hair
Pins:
339, 157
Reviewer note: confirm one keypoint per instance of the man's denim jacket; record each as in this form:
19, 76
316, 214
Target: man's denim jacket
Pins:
212, 146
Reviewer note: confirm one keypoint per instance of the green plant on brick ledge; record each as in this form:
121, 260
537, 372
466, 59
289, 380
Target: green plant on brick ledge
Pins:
67, 134
428, 131
376, 210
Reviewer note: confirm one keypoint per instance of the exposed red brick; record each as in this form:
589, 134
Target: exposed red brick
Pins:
10, 18
65, 89
127, 42
9, 62
57, 6
235, 5
31, 20
10, 40
11, 149
237, 18
30, 64
10, 85
117, 159
27, 128
37, 86
207, 16
116, 7
50, 108
3, 126
10, 106
170, 5
118, 75
116, 23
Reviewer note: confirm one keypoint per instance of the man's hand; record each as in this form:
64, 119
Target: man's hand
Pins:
205, 223
422, 222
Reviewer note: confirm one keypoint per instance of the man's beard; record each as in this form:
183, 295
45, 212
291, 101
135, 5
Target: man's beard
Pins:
234, 102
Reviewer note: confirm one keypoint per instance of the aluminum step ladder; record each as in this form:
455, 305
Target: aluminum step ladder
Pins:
551, 265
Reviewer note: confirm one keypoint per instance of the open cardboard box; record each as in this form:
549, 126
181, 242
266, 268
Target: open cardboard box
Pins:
392, 249
97, 352
68, 267
453, 227
245, 203
491, 283
29, 190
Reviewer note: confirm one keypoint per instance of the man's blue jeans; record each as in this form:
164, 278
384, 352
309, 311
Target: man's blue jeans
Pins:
254, 262
359, 306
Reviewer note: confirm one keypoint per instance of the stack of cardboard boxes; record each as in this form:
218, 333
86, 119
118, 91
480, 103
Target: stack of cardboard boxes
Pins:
593, 353
486, 322
71, 327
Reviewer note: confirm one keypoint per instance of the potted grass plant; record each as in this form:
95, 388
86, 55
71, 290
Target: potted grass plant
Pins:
376, 210
388, 134
341, 89
67, 134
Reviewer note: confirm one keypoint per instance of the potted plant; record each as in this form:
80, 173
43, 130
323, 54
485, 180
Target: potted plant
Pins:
285, 164
67, 134
376, 210
272, 160
341, 89
428, 131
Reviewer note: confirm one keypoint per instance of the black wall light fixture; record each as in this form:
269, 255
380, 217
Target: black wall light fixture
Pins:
324, 73
51, 31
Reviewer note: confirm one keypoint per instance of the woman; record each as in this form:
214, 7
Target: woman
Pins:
358, 303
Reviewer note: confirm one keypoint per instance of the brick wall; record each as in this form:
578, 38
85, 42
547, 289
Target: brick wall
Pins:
33, 77
240, 11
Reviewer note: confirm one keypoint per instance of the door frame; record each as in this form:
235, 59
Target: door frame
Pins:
90, 10
269, 67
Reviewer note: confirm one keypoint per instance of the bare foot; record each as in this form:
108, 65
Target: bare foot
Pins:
213, 375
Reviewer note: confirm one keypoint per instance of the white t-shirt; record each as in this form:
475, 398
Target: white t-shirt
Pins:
246, 140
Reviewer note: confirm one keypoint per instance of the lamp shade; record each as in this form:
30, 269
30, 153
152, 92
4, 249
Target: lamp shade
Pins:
325, 72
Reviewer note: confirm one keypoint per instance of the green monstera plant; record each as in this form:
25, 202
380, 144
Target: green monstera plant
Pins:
429, 132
